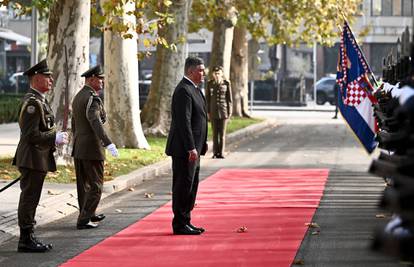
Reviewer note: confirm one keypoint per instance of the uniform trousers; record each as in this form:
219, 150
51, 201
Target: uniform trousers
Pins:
89, 183
31, 183
184, 188
219, 135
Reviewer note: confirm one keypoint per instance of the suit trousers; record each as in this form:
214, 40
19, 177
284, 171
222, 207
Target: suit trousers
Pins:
31, 183
89, 183
219, 135
184, 188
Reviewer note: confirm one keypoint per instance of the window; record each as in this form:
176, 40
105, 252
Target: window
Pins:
391, 7
376, 7
396, 10
407, 7
379, 51
330, 63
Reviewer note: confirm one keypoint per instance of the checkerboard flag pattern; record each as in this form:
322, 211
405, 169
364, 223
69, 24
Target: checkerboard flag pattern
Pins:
355, 95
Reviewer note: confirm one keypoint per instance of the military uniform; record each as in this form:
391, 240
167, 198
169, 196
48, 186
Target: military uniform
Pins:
219, 106
34, 158
88, 150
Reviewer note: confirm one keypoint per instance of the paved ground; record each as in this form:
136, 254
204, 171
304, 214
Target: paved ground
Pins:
347, 215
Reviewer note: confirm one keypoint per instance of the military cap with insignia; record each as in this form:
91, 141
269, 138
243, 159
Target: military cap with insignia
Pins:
94, 71
39, 68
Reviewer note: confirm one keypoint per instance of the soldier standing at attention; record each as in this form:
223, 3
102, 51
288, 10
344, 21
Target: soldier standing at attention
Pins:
219, 108
88, 151
34, 154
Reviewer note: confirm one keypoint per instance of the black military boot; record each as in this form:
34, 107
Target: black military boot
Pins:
29, 243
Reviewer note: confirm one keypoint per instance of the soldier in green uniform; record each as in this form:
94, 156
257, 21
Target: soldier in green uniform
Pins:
88, 151
34, 154
219, 107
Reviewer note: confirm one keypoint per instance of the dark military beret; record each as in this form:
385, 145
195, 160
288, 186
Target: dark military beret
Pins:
94, 71
39, 68
217, 68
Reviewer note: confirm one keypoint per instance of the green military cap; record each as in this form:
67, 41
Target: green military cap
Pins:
94, 71
39, 68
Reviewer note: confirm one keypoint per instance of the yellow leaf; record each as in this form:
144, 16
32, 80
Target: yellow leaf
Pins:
299, 262
146, 42
312, 225
149, 195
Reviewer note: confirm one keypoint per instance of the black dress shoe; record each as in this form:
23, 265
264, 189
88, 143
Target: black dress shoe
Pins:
32, 245
201, 229
220, 156
186, 230
97, 218
89, 225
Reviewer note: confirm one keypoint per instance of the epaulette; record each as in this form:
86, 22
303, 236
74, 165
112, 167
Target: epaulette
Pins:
32, 100
91, 99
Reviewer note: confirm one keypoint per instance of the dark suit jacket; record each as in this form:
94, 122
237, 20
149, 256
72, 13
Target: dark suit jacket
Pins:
88, 117
189, 121
37, 134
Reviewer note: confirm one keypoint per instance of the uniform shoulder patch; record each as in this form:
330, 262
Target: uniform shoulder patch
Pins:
30, 109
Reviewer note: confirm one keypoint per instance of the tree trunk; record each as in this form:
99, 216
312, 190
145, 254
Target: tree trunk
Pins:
69, 23
222, 40
121, 87
239, 72
167, 72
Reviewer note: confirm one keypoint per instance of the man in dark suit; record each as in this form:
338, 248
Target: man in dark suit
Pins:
187, 140
219, 108
88, 151
34, 154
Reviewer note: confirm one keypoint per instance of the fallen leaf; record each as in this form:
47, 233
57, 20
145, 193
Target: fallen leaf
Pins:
315, 232
299, 262
4, 172
312, 225
380, 216
74, 206
131, 189
118, 210
242, 229
148, 195
53, 192
7, 177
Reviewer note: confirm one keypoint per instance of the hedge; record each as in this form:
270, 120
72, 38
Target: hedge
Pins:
9, 107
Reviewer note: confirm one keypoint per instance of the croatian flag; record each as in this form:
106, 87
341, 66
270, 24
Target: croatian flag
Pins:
355, 96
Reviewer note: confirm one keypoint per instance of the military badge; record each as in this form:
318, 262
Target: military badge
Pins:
31, 109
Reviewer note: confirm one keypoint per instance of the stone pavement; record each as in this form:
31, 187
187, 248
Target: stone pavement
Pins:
60, 200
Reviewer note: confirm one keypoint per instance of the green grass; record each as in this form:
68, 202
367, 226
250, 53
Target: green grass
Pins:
129, 159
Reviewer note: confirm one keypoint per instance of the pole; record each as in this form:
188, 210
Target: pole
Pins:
251, 95
314, 73
34, 39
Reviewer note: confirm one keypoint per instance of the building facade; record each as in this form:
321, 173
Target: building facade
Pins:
386, 19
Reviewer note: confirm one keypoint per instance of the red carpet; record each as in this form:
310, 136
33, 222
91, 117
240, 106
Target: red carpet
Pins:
274, 205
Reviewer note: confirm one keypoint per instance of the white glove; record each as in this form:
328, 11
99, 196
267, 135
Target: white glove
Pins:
61, 138
112, 148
